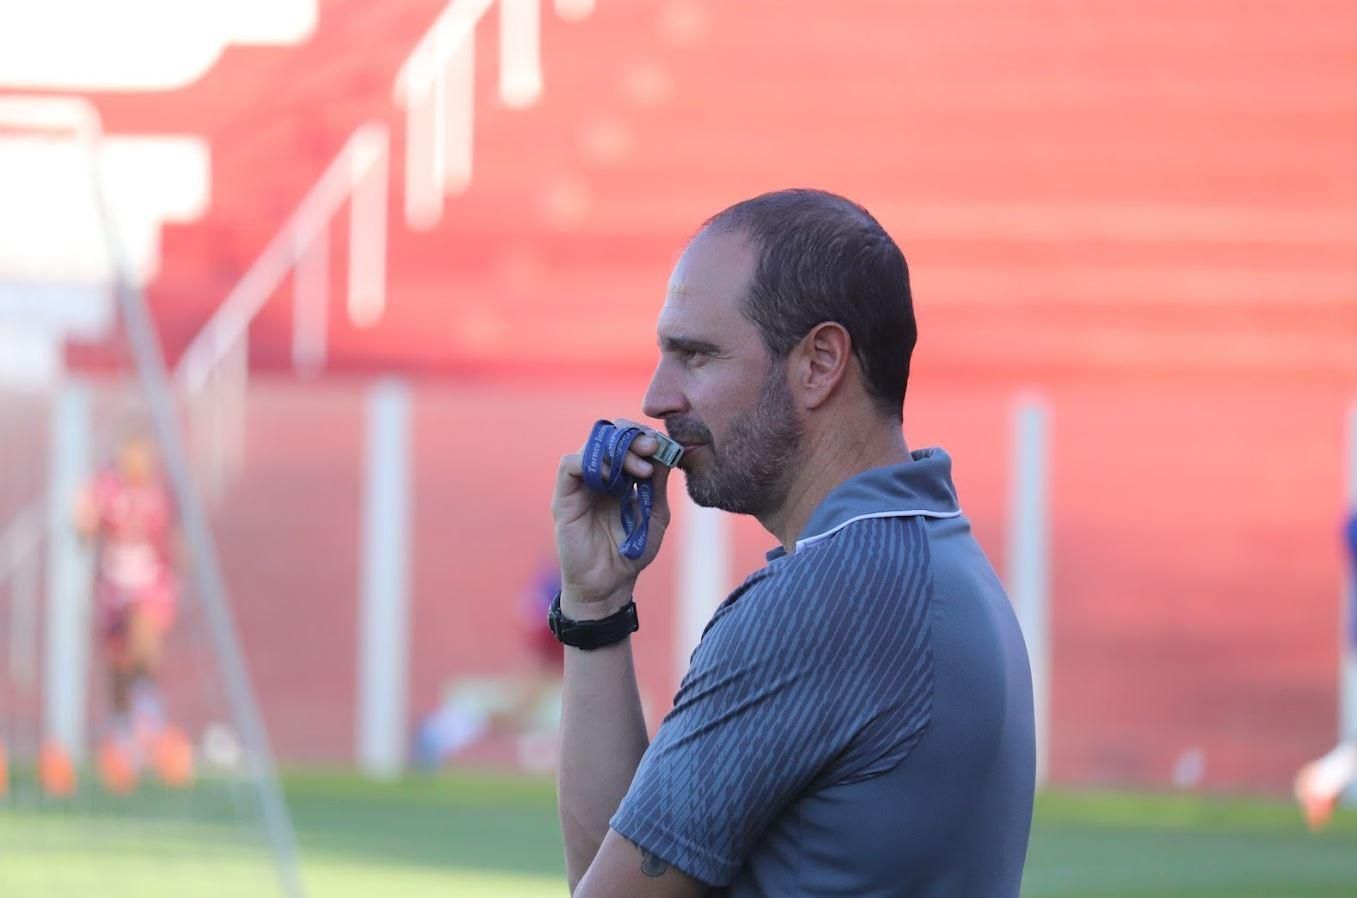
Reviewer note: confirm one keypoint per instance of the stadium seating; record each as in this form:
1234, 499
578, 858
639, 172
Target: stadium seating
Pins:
1143, 210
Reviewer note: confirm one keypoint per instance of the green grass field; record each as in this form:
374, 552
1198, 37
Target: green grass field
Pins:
480, 836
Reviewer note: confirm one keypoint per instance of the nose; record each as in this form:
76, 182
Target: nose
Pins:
663, 397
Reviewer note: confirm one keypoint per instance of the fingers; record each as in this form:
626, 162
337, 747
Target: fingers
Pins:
570, 469
569, 478
589, 527
636, 462
646, 445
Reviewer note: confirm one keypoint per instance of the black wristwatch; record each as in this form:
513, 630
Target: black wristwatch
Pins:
592, 634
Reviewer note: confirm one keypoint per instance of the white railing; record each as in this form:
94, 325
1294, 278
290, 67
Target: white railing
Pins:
436, 88
358, 173
214, 371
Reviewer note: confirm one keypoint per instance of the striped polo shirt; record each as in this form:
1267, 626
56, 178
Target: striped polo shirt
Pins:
857, 718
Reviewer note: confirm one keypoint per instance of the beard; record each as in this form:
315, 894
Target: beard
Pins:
750, 471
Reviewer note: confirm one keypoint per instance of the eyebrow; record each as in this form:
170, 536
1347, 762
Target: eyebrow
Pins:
687, 344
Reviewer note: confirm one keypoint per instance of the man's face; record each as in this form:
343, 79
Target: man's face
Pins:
716, 388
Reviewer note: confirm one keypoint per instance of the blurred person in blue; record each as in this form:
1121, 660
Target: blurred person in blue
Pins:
857, 717
524, 705
1322, 782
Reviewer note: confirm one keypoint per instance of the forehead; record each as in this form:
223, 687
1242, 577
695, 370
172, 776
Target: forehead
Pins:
707, 286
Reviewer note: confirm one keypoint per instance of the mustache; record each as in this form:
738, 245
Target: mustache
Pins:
681, 430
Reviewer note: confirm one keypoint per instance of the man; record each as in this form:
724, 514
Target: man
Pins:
857, 719
127, 513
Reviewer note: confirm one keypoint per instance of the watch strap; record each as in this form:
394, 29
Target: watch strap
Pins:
592, 634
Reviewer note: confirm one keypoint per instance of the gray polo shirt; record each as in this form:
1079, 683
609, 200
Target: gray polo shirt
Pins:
857, 719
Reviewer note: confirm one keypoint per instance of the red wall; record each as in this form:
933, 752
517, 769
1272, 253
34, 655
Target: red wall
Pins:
1142, 209
1196, 557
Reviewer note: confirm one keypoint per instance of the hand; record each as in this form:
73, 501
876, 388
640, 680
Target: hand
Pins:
596, 579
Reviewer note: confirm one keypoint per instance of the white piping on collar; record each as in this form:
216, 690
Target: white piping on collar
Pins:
909, 513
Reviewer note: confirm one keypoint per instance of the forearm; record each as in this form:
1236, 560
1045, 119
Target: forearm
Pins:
603, 735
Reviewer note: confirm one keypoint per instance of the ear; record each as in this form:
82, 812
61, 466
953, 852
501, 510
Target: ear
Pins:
822, 360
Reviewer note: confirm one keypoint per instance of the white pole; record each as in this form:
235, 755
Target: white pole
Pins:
67, 639
1347, 646
383, 619
1029, 557
703, 572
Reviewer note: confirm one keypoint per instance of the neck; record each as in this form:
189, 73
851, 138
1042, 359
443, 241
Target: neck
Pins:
828, 458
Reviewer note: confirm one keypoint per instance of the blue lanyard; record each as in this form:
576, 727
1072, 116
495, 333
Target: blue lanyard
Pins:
609, 444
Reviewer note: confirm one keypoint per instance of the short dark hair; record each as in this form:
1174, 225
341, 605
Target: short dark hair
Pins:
825, 258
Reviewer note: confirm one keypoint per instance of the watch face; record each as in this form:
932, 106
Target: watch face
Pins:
554, 616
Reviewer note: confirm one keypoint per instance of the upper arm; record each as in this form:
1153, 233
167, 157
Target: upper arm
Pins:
623, 870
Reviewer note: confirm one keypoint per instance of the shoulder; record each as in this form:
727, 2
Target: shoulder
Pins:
889, 543
851, 590
875, 559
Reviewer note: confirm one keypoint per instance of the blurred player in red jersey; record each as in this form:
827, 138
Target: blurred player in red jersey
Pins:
128, 514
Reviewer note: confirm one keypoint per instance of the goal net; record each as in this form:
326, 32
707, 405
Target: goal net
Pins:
133, 760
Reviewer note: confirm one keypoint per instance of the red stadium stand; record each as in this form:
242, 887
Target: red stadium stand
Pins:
1143, 210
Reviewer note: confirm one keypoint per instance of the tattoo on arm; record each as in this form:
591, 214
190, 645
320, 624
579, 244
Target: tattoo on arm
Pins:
652, 865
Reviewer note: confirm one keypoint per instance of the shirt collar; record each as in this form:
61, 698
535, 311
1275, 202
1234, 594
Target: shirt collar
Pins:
920, 487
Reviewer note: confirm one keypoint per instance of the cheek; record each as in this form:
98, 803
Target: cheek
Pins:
721, 407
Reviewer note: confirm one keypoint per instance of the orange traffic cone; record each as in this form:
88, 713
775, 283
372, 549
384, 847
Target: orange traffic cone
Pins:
56, 775
172, 754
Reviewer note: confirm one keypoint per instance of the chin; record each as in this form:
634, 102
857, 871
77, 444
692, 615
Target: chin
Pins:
699, 495
706, 499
